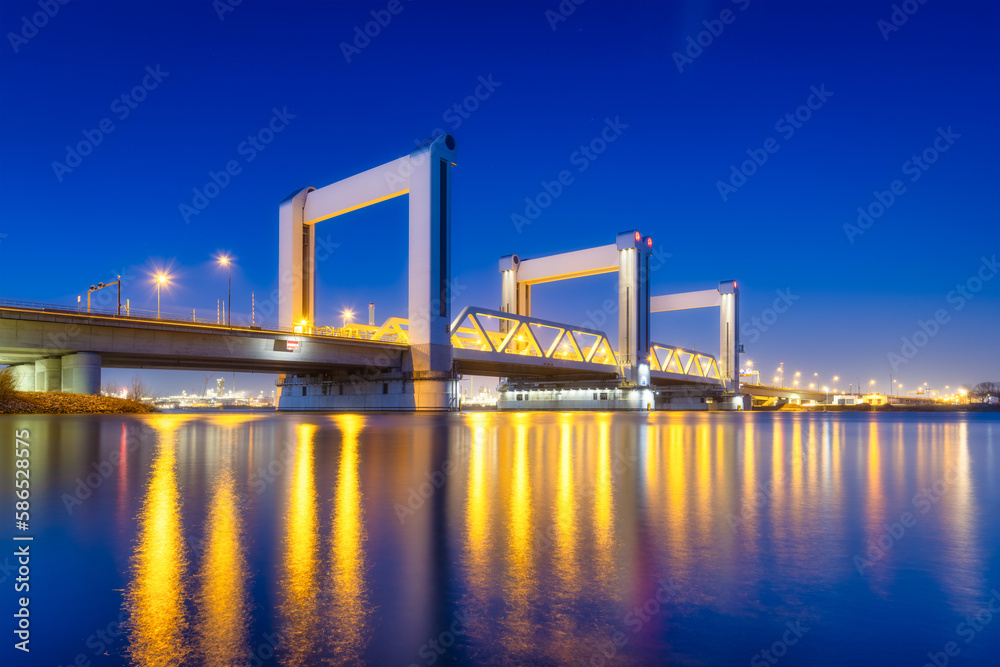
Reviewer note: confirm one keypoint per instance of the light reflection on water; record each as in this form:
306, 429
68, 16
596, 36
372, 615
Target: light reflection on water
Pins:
524, 538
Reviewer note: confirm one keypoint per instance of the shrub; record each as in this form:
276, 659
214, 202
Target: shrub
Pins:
7, 384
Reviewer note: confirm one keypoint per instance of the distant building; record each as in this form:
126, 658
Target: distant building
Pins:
875, 399
845, 399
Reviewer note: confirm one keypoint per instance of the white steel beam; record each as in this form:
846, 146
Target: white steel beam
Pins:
685, 300
576, 264
369, 187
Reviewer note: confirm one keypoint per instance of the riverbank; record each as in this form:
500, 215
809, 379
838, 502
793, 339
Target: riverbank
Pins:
58, 403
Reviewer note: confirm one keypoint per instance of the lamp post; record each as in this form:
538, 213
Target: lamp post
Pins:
226, 262
160, 279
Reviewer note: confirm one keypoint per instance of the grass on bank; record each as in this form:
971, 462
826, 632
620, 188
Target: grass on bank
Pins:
13, 401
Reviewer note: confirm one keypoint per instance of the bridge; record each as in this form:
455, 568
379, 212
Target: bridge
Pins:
410, 363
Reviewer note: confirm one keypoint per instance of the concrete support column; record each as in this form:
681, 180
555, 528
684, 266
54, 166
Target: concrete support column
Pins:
729, 334
296, 262
24, 377
48, 374
514, 297
430, 259
633, 303
81, 373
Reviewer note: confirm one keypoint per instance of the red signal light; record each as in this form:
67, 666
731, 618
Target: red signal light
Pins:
649, 241
637, 237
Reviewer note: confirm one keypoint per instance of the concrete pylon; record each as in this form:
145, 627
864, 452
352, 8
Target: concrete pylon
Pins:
515, 296
633, 305
81, 373
48, 374
729, 334
24, 376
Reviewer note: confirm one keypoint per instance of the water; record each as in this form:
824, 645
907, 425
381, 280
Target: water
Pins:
693, 539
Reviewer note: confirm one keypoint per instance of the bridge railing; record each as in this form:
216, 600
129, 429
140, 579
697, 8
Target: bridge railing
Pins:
505, 333
673, 359
391, 332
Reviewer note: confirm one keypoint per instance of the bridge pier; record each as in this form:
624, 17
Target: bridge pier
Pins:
48, 374
81, 373
389, 392
24, 377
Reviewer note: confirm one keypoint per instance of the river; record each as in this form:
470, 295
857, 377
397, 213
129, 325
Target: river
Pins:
508, 538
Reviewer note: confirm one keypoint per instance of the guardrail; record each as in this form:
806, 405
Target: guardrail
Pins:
673, 359
351, 331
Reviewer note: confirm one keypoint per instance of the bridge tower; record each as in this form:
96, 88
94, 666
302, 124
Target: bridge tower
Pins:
424, 175
629, 256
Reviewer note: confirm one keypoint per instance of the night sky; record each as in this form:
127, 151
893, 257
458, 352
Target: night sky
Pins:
820, 108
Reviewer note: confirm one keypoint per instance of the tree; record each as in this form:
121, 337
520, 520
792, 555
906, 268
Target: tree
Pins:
982, 391
138, 390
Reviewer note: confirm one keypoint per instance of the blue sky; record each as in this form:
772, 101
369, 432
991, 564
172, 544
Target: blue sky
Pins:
689, 106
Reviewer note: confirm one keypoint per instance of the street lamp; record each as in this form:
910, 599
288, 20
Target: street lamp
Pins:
348, 314
225, 261
160, 279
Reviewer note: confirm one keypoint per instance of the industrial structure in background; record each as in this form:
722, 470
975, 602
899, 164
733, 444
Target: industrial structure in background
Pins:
412, 363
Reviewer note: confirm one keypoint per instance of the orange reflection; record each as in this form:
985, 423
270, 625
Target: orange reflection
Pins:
156, 594
604, 505
222, 600
477, 511
298, 609
350, 615
520, 582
